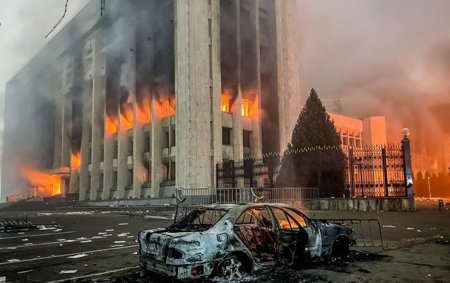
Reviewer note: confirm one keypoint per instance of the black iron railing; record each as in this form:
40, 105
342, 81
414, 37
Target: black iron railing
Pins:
370, 171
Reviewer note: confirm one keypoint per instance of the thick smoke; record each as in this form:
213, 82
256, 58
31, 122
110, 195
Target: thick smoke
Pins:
140, 41
138, 29
382, 58
239, 60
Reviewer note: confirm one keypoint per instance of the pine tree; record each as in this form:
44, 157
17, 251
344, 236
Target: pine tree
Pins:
315, 167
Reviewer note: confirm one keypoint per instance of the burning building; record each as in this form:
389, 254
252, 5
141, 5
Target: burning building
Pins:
134, 98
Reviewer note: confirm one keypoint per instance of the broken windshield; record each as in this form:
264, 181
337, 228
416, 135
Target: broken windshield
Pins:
198, 220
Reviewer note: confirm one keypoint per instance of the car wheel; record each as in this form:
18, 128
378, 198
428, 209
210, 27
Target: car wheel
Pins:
232, 268
341, 248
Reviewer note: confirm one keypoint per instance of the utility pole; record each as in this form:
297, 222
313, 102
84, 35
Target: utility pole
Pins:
429, 188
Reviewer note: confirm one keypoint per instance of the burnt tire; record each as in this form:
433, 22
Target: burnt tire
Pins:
232, 268
341, 248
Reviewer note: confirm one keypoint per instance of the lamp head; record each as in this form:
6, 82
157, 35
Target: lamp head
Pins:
406, 132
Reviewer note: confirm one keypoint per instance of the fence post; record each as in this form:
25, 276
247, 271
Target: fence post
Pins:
385, 176
217, 174
233, 174
270, 169
407, 167
352, 172
251, 171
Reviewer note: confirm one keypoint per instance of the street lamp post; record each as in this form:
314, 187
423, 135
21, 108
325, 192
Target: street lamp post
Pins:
429, 188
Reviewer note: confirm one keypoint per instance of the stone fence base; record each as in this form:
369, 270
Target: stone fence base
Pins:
361, 204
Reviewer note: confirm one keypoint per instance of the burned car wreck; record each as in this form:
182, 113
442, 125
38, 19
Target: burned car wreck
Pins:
230, 241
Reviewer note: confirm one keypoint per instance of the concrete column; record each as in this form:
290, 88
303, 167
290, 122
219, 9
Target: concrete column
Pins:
66, 146
139, 171
407, 167
216, 88
257, 135
156, 147
98, 94
66, 131
85, 142
288, 68
193, 95
122, 159
236, 108
108, 163
59, 100
128, 80
73, 182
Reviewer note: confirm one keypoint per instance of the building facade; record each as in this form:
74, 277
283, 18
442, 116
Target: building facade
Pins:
135, 98
354, 132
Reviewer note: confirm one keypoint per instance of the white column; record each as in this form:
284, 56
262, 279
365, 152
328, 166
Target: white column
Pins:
288, 68
156, 147
98, 95
193, 70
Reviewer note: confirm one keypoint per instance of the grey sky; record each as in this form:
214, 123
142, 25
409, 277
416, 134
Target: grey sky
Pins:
24, 24
385, 57
341, 39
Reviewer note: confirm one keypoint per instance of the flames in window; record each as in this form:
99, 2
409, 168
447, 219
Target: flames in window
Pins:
126, 116
111, 125
75, 160
165, 107
143, 115
225, 103
245, 108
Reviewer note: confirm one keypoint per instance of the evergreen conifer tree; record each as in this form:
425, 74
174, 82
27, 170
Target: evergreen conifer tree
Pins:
308, 160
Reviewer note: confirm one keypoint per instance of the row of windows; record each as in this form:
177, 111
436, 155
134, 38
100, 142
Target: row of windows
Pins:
226, 137
170, 138
245, 108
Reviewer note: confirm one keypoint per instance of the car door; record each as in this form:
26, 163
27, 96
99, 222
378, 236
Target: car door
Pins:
254, 228
291, 237
314, 247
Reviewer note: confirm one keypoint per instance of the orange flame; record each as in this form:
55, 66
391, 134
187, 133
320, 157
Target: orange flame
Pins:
245, 108
143, 112
165, 107
50, 184
111, 125
126, 119
75, 160
225, 103
143, 175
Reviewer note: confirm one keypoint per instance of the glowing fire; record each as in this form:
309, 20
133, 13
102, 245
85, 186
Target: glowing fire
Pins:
245, 108
165, 107
225, 103
126, 119
143, 112
44, 183
143, 175
75, 160
111, 125
248, 107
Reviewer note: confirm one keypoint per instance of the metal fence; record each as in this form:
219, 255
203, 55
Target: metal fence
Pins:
195, 196
370, 171
375, 171
368, 231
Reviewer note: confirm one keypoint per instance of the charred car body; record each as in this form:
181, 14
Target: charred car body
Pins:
230, 240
